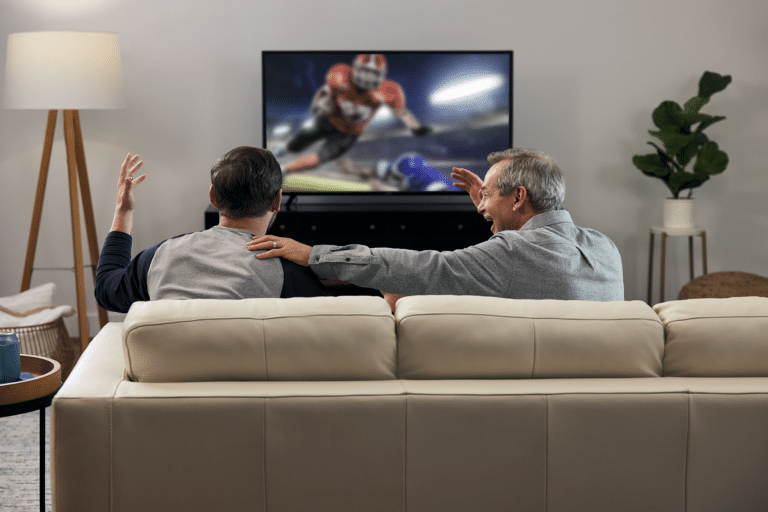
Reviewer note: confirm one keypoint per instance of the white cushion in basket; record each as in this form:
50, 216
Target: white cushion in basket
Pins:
34, 298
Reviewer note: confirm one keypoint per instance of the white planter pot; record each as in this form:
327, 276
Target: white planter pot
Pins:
679, 213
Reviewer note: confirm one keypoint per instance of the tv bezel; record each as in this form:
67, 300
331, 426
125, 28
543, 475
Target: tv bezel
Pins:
291, 195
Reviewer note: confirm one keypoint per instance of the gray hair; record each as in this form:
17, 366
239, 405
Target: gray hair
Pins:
535, 171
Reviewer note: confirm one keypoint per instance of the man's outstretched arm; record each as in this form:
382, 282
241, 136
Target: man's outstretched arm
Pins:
121, 281
475, 270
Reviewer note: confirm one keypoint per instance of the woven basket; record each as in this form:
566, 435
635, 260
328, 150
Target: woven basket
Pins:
48, 340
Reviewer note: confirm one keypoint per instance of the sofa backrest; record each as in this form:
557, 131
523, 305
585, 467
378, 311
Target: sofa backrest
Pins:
715, 337
443, 337
457, 337
319, 338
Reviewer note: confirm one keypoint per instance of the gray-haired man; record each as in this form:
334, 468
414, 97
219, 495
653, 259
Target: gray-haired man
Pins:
536, 251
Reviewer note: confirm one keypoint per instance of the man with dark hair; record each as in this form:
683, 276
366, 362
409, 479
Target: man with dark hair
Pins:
536, 251
246, 188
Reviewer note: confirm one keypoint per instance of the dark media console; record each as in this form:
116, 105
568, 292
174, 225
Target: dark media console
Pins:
442, 227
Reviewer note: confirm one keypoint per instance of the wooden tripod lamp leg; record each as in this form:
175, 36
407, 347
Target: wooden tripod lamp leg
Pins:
85, 194
77, 171
77, 246
37, 212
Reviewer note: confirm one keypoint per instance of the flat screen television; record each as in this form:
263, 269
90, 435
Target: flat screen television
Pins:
386, 122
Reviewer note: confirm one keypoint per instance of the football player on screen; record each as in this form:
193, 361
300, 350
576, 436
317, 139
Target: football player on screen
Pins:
344, 105
408, 172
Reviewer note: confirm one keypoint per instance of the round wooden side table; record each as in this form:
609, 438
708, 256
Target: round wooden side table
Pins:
30, 395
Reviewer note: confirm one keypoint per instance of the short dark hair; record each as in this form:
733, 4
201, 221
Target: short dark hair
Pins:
245, 181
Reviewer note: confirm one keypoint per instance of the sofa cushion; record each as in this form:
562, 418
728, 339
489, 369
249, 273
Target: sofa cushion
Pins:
716, 337
318, 338
448, 337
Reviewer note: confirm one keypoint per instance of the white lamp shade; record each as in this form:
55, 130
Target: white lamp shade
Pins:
63, 70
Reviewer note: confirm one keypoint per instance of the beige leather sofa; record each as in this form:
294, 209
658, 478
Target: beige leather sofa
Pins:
452, 404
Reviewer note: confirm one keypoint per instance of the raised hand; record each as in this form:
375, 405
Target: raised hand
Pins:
127, 182
469, 182
126, 200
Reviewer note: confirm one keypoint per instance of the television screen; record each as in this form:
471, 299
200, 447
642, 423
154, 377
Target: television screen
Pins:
384, 122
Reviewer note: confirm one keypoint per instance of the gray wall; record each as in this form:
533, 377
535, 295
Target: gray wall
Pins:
587, 77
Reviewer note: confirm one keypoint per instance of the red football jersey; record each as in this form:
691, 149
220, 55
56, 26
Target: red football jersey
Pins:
353, 108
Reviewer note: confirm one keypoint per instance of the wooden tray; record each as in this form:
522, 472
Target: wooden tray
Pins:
47, 380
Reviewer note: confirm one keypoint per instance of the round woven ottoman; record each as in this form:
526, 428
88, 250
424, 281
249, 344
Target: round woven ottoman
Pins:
720, 285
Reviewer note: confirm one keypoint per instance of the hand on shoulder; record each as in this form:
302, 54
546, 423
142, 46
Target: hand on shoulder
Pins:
276, 246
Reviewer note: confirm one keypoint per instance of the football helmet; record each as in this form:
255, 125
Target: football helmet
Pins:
369, 70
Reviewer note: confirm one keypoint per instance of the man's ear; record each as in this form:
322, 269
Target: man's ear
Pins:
212, 198
520, 195
275, 206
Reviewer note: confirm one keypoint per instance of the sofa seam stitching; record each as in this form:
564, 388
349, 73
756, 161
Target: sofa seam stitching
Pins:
729, 317
140, 324
264, 341
264, 450
546, 453
405, 451
687, 452
542, 317
535, 347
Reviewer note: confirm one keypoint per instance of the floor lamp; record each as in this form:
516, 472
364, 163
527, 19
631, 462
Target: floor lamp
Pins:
69, 71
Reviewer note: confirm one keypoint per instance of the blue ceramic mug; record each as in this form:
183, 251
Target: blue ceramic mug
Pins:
10, 357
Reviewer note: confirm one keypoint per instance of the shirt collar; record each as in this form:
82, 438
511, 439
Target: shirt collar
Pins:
547, 219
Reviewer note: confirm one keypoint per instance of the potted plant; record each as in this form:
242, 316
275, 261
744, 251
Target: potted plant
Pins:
683, 141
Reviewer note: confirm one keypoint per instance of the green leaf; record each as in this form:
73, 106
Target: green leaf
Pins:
710, 83
652, 165
687, 152
707, 121
674, 142
691, 119
711, 160
693, 105
660, 151
681, 180
668, 116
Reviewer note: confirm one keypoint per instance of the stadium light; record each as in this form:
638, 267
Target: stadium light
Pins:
280, 130
465, 89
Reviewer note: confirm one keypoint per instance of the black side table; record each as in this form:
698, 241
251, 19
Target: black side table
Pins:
31, 395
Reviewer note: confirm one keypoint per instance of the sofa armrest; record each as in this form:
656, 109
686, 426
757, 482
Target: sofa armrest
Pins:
81, 425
